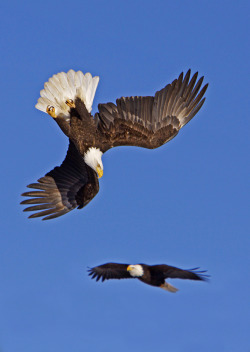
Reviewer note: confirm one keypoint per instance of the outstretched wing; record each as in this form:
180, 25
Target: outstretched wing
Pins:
110, 271
176, 273
150, 122
71, 185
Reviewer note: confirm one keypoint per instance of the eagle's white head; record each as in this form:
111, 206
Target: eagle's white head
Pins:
135, 270
93, 158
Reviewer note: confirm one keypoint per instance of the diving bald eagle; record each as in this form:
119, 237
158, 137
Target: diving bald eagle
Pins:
146, 122
153, 275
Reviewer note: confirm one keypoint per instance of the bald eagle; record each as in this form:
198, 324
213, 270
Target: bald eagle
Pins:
146, 122
153, 275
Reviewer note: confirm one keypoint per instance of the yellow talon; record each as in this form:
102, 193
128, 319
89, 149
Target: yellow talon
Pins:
51, 111
70, 103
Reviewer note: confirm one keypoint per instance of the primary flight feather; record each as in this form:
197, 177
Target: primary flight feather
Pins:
147, 122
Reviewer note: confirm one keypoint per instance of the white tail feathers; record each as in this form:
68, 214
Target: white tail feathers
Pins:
166, 286
67, 86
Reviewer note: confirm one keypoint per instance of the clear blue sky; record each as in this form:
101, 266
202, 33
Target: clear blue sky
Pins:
184, 204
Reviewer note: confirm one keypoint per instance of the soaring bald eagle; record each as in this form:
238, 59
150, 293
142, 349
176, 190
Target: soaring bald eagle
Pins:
153, 275
146, 122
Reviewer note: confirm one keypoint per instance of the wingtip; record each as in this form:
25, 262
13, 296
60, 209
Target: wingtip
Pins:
32, 216
205, 86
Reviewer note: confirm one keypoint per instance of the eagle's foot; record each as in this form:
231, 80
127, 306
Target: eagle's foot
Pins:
70, 103
51, 111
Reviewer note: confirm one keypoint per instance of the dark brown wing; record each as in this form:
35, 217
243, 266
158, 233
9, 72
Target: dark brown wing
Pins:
110, 271
71, 185
176, 273
150, 122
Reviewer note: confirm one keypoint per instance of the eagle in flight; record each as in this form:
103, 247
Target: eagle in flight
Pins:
153, 275
147, 122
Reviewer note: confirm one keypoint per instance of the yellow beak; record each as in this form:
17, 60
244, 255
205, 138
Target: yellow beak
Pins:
99, 172
129, 268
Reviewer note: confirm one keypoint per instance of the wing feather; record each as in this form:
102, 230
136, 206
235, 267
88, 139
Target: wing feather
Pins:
176, 273
150, 122
109, 271
64, 188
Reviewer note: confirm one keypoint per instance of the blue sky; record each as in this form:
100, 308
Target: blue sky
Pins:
184, 204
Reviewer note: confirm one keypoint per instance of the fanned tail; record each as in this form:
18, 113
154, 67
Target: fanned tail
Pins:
60, 92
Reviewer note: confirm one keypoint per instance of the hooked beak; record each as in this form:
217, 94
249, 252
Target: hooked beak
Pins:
129, 268
99, 171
